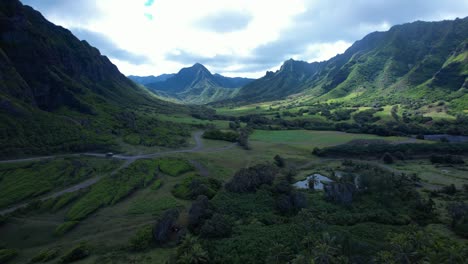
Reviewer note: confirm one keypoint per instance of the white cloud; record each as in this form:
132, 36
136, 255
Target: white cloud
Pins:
171, 34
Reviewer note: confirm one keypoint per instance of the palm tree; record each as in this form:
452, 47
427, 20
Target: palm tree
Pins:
191, 252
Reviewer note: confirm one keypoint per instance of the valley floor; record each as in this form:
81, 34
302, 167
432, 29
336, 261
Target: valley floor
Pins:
63, 216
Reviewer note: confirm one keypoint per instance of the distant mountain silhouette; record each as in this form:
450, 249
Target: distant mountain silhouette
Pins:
195, 85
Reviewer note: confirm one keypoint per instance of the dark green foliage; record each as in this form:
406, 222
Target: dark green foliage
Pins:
348, 150
446, 159
7, 254
218, 226
417, 246
279, 161
387, 158
142, 240
46, 255
244, 138
220, 135
339, 192
65, 227
193, 186
174, 167
164, 228
250, 179
366, 116
114, 188
199, 212
79, 252
191, 251
291, 203
459, 214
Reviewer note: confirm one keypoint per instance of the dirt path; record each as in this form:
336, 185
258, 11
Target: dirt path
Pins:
201, 169
128, 160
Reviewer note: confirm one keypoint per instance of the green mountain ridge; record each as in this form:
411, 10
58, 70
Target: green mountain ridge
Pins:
196, 85
420, 60
58, 93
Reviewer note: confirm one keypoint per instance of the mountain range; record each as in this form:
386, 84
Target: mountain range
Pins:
193, 85
420, 61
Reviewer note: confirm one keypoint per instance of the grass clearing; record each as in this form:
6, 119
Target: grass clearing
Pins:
310, 139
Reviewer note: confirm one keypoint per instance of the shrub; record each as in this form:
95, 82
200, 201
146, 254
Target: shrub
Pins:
174, 167
77, 253
65, 227
142, 240
164, 227
156, 184
279, 161
387, 158
7, 255
191, 187
216, 227
220, 135
250, 179
46, 255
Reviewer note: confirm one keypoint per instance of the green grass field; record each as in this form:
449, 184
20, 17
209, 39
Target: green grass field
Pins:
307, 138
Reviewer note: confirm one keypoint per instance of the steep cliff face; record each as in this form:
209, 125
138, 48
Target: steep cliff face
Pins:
420, 59
49, 67
58, 93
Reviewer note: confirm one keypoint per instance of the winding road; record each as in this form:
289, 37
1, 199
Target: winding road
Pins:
128, 160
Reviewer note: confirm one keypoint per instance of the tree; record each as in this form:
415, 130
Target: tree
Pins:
387, 158
312, 182
279, 161
191, 251
216, 227
164, 227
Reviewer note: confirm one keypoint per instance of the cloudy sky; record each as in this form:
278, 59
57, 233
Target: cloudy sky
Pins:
232, 37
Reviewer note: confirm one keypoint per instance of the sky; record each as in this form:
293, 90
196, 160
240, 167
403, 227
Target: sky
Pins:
232, 37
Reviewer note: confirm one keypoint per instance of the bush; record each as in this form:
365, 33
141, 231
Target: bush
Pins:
446, 159
279, 161
216, 227
174, 167
191, 187
46, 255
77, 253
65, 228
156, 184
220, 135
164, 227
200, 210
250, 179
142, 240
387, 158
7, 255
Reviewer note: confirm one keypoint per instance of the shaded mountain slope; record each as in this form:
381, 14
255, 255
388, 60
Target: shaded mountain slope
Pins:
58, 93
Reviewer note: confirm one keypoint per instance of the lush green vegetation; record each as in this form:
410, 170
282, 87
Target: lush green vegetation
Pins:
173, 167
221, 135
7, 254
114, 188
193, 186
22, 181
353, 150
